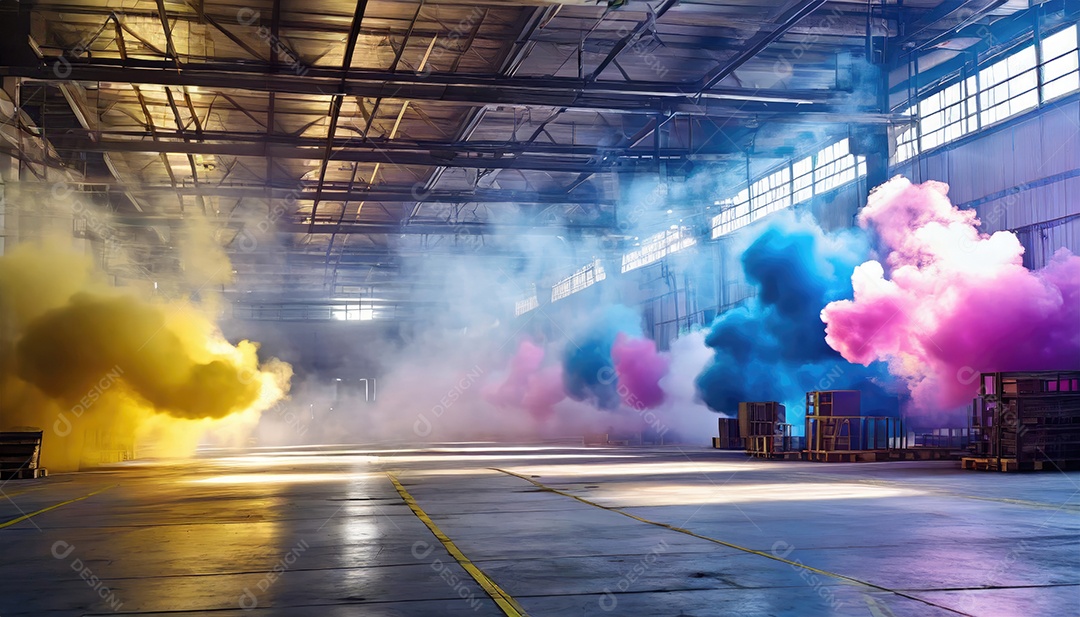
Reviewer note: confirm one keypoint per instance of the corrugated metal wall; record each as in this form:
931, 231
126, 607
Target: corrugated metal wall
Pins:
1023, 176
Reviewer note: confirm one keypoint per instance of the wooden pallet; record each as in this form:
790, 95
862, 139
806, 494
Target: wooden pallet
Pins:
996, 464
25, 473
1012, 465
792, 455
20, 453
733, 443
848, 456
928, 454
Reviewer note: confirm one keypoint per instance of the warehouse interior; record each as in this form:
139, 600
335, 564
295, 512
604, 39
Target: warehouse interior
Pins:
540, 307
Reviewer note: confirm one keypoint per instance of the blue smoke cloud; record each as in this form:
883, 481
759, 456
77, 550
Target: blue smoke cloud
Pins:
587, 365
773, 347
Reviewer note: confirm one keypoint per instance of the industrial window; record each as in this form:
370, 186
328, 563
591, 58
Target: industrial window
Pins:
802, 185
1004, 88
907, 139
948, 114
771, 193
528, 303
734, 214
589, 275
834, 166
1059, 58
658, 246
351, 312
1009, 86
794, 183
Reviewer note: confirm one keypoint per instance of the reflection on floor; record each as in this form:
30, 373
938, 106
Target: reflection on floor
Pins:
559, 530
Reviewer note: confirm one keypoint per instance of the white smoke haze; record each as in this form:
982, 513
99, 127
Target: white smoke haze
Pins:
438, 384
438, 375
683, 410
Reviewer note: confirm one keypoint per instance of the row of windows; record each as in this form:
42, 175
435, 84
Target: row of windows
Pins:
1009, 86
527, 303
1003, 89
352, 313
658, 246
794, 183
587, 276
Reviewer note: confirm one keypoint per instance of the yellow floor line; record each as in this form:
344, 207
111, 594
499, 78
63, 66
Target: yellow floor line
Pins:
52, 507
795, 564
504, 601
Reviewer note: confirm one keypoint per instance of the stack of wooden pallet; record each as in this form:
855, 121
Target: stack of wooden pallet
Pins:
765, 430
1026, 421
20, 455
730, 438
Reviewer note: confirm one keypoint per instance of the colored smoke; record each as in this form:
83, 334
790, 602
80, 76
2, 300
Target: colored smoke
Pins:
67, 350
773, 347
639, 369
950, 302
607, 365
101, 369
528, 384
588, 370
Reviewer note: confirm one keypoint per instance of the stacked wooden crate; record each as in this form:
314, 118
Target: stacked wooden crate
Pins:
764, 429
1026, 421
730, 438
836, 430
20, 455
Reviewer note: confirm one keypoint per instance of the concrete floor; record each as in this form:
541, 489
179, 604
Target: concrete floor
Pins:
324, 532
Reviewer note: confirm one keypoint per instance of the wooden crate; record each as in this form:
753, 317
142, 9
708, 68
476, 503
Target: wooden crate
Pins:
729, 438
763, 428
1030, 419
20, 455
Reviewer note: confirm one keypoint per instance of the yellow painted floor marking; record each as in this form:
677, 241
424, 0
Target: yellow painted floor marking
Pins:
794, 564
505, 602
52, 507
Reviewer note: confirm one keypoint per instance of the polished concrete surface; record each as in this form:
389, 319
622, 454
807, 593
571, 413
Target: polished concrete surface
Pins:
324, 532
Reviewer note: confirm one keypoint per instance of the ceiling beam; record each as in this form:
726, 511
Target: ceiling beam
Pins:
947, 16
554, 158
338, 99
631, 38
302, 224
759, 42
850, 21
384, 193
389, 257
572, 93
445, 229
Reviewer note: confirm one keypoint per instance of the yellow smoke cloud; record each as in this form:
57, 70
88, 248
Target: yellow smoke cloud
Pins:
102, 371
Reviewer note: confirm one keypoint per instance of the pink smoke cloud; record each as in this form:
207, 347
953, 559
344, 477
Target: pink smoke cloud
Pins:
529, 385
954, 302
639, 368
